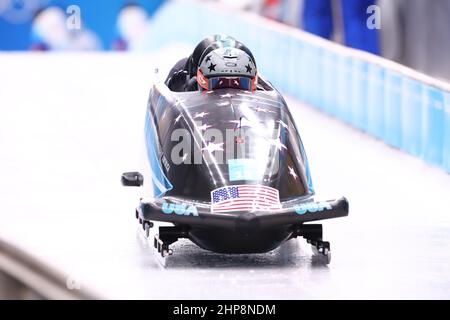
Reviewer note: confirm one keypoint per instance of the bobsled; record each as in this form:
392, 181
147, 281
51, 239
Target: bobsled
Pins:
227, 170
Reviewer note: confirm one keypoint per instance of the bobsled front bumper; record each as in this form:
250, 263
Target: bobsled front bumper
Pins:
185, 212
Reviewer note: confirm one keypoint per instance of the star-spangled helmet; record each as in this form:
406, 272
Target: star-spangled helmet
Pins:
217, 39
227, 67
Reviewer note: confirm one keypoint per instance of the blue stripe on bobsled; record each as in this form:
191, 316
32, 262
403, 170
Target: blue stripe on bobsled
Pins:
160, 182
308, 176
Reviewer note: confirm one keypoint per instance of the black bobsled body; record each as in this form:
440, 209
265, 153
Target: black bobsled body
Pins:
229, 170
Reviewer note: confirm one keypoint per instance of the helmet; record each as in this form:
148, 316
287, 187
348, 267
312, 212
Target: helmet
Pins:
217, 41
226, 67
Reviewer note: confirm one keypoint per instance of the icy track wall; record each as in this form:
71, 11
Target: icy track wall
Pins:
406, 109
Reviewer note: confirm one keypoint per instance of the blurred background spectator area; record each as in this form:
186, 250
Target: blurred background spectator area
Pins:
53, 25
415, 33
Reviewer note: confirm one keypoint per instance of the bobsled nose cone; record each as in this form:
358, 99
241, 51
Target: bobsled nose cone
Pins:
247, 223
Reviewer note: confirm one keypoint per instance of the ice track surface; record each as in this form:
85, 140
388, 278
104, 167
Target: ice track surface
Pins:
71, 124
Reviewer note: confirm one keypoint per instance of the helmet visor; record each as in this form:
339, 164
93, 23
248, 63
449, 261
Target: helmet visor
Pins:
242, 83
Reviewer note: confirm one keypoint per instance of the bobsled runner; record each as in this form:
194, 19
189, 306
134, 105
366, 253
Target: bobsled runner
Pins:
228, 170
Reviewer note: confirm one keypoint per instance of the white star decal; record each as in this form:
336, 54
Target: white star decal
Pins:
203, 127
259, 109
200, 114
179, 101
178, 118
283, 124
211, 147
221, 104
292, 172
277, 143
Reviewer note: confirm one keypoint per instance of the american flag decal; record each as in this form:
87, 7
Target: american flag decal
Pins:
244, 198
